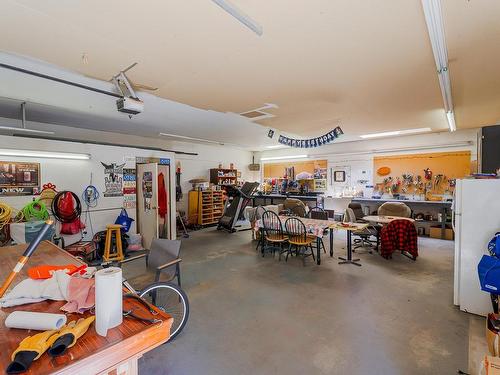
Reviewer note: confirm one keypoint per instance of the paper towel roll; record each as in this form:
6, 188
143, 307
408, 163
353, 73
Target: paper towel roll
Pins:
35, 320
108, 299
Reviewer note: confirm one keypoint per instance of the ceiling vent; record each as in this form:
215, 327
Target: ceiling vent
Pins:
258, 114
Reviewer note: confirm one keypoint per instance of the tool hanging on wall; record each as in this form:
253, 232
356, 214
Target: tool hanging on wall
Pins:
67, 209
90, 198
178, 188
34, 210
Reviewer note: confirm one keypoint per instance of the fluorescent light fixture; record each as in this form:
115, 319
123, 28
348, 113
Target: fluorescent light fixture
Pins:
284, 157
24, 130
396, 133
398, 149
435, 28
43, 154
451, 121
237, 13
191, 138
276, 146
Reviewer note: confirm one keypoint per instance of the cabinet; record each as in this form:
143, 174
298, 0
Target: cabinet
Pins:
205, 207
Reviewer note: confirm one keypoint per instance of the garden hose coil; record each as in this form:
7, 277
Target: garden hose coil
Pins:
35, 210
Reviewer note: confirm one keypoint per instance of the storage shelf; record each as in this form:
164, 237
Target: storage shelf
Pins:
205, 207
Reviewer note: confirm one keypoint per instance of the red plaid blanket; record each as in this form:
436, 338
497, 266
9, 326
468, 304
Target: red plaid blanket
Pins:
398, 235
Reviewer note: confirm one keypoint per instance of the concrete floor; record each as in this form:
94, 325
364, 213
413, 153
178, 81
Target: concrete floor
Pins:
254, 315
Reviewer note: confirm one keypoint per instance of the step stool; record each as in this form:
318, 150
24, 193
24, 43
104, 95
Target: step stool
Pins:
118, 254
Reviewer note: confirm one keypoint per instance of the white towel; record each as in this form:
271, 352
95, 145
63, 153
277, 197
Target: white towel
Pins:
30, 291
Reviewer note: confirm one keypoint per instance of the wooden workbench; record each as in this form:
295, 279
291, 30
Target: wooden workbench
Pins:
117, 353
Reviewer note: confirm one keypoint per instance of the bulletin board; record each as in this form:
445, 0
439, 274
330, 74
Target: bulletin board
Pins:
453, 165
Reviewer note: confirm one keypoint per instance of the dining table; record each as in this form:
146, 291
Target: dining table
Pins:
116, 353
314, 227
381, 219
349, 228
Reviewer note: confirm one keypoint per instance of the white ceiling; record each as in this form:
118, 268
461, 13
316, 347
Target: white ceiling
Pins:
367, 64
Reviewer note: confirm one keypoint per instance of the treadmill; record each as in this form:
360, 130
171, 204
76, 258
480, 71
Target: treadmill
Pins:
241, 197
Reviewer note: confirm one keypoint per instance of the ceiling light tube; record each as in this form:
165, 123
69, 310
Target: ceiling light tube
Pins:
435, 28
451, 121
399, 149
24, 130
283, 157
277, 146
191, 138
237, 13
396, 133
43, 154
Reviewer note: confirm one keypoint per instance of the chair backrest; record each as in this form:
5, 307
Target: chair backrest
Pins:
296, 228
318, 213
271, 223
163, 251
299, 211
259, 211
349, 216
394, 209
357, 209
291, 203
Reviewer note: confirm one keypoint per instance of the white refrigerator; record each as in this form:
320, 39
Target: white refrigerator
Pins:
476, 219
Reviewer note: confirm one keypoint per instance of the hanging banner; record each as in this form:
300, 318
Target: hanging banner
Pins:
313, 142
113, 179
19, 178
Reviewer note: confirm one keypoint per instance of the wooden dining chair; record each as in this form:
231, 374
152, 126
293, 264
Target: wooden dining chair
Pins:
298, 239
259, 211
274, 236
317, 213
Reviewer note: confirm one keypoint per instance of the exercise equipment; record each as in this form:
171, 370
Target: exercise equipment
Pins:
238, 199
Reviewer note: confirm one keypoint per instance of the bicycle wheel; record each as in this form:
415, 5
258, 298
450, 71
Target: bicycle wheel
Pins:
171, 299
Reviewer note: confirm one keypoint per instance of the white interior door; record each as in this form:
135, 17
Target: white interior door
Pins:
147, 202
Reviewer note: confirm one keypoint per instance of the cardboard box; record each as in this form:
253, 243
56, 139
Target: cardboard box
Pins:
435, 232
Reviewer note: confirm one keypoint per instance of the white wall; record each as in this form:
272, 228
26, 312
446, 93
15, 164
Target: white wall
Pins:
356, 158
74, 175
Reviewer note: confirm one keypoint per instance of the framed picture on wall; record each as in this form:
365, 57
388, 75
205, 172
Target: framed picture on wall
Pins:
19, 178
339, 176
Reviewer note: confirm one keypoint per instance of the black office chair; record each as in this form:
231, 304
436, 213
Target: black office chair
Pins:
354, 213
318, 213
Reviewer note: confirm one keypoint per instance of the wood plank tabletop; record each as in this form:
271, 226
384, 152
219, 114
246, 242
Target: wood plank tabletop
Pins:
92, 353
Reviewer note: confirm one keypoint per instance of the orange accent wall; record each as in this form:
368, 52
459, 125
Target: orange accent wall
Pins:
278, 169
455, 164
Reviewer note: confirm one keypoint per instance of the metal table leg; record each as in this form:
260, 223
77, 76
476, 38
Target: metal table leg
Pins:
349, 259
331, 241
318, 250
